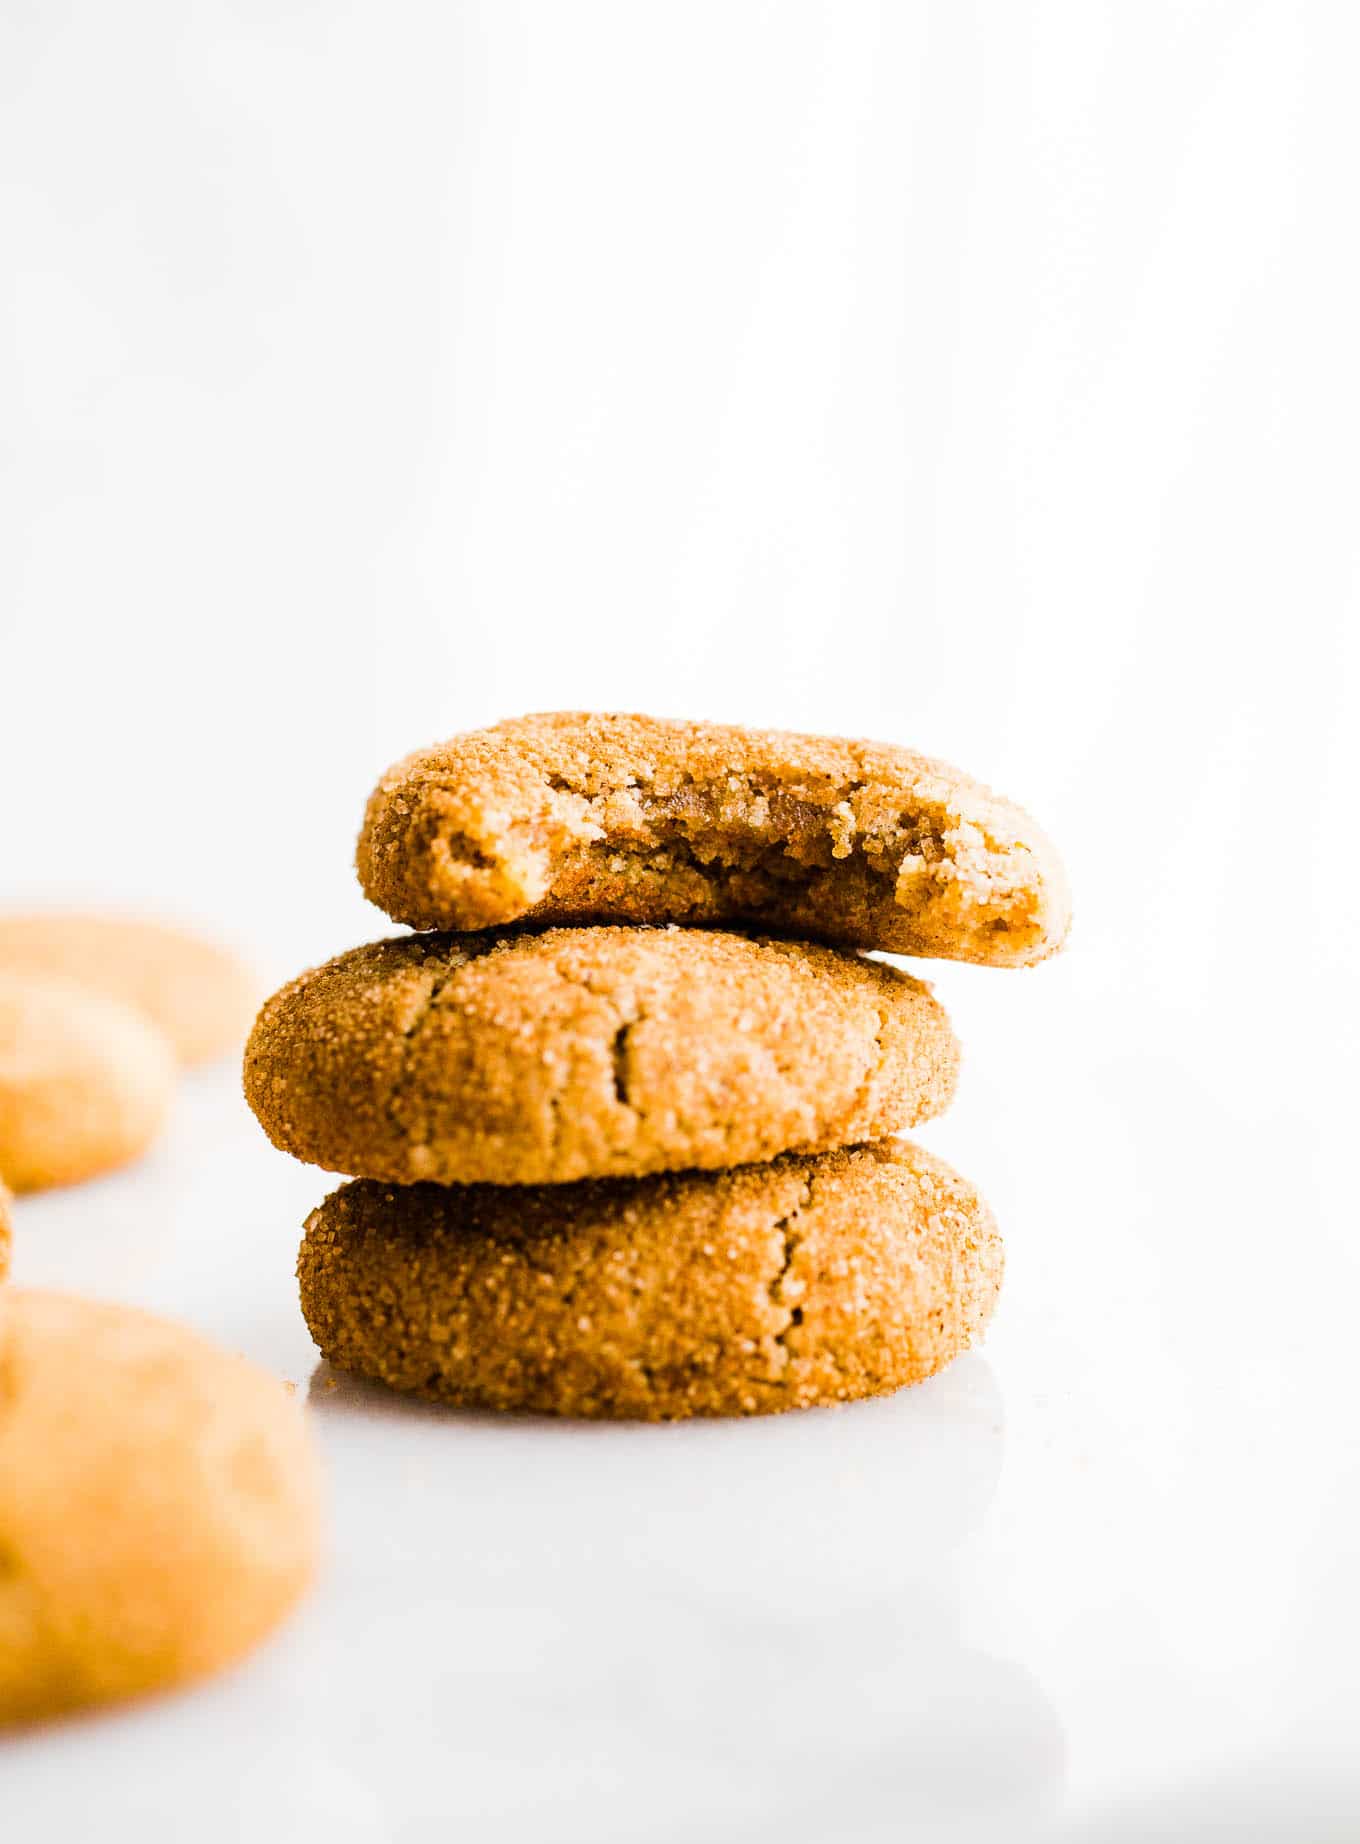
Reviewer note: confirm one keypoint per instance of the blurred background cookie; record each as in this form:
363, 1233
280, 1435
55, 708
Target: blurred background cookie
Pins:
6, 1230
85, 1081
159, 1504
198, 994
591, 1052
743, 1292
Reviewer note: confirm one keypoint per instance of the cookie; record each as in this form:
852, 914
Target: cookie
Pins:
806, 1280
85, 1082
198, 995
572, 817
6, 1230
158, 1504
591, 1052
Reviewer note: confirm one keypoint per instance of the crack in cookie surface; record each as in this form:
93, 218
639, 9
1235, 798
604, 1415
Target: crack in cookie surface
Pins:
546, 1057
811, 1279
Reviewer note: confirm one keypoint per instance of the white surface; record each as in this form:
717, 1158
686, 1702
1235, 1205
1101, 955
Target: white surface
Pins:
1109, 1554
982, 378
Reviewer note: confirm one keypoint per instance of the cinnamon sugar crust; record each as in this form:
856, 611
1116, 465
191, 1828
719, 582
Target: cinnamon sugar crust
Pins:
583, 817
808, 1280
591, 1052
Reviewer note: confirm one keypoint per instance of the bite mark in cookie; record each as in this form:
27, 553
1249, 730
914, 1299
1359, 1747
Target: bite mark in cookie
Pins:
579, 817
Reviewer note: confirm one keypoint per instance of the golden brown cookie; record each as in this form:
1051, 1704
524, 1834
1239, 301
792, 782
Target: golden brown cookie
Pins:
6, 1230
158, 1504
573, 817
85, 1081
807, 1280
198, 994
589, 1053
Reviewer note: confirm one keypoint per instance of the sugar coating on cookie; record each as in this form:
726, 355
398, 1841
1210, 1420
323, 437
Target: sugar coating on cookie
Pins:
591, 1052
85, 1081
579, 817
159, 1504
807, 1280
198, 994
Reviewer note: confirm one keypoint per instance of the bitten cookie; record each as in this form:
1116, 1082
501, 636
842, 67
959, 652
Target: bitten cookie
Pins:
158, 1504
197, 994
591, 1052
85, 1082
807, 1280
572, 817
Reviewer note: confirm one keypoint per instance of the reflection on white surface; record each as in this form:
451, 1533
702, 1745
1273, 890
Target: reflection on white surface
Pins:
544, 1629
1102, 1568
1096, 1568
762, 1618
979, 378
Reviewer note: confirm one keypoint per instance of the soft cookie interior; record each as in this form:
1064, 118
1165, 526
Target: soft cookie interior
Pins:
562, 819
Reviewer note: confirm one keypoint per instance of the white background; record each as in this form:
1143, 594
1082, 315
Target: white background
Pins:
981, 377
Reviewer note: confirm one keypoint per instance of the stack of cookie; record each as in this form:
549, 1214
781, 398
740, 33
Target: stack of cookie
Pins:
614, 1157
